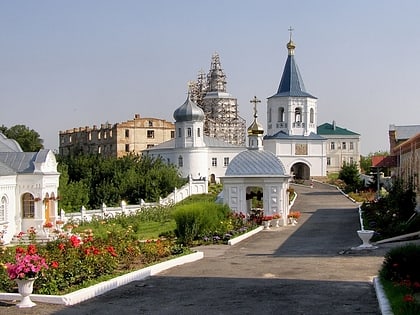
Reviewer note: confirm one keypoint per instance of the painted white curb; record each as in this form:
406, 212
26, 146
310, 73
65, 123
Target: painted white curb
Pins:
100, 288
240, 238
384, 305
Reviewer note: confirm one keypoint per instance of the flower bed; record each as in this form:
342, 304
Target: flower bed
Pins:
73, 261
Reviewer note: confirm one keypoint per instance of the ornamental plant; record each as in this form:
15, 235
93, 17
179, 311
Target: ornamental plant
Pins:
28, 264
294, 214
276, 215
267, 218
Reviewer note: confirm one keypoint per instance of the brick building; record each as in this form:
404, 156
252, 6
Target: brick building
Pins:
116, 140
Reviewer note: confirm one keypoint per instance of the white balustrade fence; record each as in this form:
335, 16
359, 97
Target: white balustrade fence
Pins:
193, 187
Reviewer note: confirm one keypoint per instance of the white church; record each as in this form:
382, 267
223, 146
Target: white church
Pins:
28, 189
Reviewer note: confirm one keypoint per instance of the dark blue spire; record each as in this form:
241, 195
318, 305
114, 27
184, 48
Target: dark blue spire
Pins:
291, 83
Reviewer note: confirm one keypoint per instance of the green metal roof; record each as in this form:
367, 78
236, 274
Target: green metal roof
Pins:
333, 129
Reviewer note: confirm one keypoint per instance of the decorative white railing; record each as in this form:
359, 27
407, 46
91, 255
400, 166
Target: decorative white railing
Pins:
193, 187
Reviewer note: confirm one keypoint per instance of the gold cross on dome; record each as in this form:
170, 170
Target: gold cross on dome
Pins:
290, 31
255, 100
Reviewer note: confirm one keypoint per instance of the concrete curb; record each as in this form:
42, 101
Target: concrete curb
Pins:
240, 238
103, 287
384, 305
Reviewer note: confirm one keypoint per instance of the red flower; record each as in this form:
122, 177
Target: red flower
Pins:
111, 250
416, 285
408, 298
20, 250
31, 249
61, 246
54, 264
75, 241
20, 234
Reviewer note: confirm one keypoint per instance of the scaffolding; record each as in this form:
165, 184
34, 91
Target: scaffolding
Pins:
220, 108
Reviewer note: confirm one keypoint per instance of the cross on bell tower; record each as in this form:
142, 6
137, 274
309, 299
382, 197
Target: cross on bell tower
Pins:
255, 100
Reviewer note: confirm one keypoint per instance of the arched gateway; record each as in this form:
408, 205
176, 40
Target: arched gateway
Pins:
256, 172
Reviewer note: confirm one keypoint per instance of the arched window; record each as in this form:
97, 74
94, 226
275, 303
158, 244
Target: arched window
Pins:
269, 115
180, 161
189, 133
311, 116
298, 114
280, 117
3, 209
28, 206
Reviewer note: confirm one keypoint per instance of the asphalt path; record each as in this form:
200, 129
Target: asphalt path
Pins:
309, 268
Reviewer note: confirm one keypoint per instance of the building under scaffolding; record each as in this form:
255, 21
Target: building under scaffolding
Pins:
222, 119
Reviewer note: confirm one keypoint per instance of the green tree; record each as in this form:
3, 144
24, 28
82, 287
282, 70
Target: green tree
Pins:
28, 139
111, 180
349, 173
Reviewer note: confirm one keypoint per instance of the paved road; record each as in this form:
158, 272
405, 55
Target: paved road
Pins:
304, 269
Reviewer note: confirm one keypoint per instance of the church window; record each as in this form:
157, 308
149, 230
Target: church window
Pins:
180, 161
99, 135
269, 115
105, 134
99, 149
150, 133
70, 139
351, 146
344, 146
328, 160
3, 209
150, 123
332, 146
198, 132
189, 133
127, 133
281, 114
179, 133
226, 161
213, 161
28, 206
298, 114
90, 136
127, 148
311, 116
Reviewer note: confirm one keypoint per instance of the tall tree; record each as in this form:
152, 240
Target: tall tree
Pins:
350, 175
28, 139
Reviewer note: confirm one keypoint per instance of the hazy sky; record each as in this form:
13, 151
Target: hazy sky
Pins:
66, 64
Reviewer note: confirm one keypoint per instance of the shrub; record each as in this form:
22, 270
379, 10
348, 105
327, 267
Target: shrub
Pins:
200, 218
402, 264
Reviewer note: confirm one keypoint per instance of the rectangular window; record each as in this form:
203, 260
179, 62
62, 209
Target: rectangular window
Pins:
127, 133
213, 161
351, 160
226, 161
189, 133
332, 146
127, 148
150, 133
179, 133
198, 132
150, 123
351, 146
344, 146
150, 146
172, 134
328, 160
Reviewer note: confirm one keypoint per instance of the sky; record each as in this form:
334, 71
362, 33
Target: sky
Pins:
75, 63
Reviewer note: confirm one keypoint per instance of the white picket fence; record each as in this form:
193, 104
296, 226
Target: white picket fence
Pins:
193, 187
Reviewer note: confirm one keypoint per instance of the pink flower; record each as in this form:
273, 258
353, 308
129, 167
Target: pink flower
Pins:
27, 264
